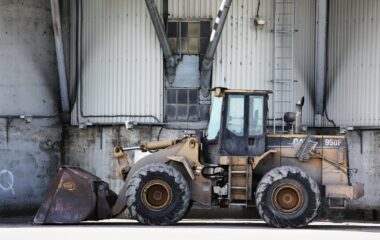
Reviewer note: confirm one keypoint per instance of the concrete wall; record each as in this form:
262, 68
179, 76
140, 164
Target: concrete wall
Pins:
29, 157
29, 152
28, 72
364, 153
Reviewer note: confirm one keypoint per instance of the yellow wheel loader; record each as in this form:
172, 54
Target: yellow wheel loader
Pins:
236, 163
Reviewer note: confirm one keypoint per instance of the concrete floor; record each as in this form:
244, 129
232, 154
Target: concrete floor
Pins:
192, 229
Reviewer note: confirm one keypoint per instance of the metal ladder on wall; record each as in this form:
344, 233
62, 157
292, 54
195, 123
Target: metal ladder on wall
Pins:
284, 57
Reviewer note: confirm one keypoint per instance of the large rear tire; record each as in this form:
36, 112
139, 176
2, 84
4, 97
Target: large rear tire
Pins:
287, 197
158, 194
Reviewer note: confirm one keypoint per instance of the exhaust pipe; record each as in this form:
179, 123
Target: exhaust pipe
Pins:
298, 124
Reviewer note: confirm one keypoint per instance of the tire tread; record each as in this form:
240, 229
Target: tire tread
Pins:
278, 174
134, 184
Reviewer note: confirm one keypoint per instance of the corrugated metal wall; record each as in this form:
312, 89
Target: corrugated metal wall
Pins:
245, 55
121, 54
354, 63
122, 64
305, 57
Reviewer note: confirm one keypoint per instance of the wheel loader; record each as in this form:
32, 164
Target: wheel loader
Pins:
236, 163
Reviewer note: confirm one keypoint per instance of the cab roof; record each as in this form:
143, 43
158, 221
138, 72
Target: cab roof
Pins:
220, 90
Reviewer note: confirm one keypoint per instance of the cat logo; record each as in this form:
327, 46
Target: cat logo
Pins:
69, 186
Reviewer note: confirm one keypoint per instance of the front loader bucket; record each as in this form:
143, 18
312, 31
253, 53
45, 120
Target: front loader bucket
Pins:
76, 196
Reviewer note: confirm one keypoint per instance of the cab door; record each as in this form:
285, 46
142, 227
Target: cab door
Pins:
257, 110
243, 131
233, 140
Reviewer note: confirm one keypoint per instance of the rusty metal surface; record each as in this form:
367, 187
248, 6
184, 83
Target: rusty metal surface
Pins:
322, 166
121, 202
288, 198
156, 195
306, 150
327, 164
328, 160
339, 191
358, 190
201, 189
75, 196
240, 182
219, 92
157, 157
257, 159
331, 174
183, 161
122, 166
233, 160
188, 148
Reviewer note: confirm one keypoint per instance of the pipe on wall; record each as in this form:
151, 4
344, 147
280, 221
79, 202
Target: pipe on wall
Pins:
321, 55
171, 61
57, 26
208, 60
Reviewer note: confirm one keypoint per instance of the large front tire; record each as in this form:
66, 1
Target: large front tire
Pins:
158, 194
287, 197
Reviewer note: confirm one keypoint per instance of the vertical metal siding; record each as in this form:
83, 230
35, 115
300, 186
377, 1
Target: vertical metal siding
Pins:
305, 57
122, 67
354, 63
244, 59
244, 56
122, 62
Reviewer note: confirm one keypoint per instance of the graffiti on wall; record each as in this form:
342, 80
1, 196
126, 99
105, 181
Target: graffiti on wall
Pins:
6, 181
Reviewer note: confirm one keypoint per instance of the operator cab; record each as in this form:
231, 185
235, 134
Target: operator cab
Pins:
237, 125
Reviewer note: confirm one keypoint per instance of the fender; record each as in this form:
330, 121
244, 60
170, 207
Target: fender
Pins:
182, 160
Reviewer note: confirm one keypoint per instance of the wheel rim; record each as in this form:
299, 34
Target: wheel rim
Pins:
288, 198
157, 195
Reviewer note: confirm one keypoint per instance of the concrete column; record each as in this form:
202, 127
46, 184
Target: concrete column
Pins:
56, 15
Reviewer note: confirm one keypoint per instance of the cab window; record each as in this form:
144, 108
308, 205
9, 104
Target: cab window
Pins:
235, 115
214, 124
256, 115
